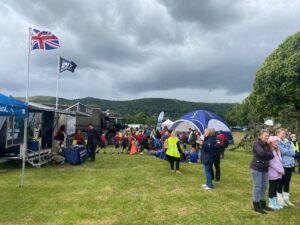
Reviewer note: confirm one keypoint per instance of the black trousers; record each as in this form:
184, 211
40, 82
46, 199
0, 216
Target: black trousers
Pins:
284, 183
173, 160
273, 186
216, 164
92, 152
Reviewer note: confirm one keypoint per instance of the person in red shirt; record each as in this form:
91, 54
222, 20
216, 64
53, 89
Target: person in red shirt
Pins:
79, 138
117, 142
139, 139
103, 142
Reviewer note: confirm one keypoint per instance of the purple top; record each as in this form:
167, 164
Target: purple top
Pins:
275, 167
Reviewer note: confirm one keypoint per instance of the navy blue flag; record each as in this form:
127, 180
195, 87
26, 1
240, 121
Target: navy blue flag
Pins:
66, 65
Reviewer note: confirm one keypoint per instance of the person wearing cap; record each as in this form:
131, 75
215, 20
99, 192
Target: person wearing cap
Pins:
295, 144
262, 154
275, 173
287, 154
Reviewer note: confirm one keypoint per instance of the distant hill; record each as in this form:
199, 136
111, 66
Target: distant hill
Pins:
150, 106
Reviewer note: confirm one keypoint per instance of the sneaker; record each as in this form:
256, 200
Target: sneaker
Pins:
207, 188
177, 171
204, 185
141, 153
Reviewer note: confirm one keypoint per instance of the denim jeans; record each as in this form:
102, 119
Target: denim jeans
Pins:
260, 180
207, 171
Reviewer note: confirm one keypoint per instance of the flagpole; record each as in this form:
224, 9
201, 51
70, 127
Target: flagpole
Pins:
57, 82
24, 146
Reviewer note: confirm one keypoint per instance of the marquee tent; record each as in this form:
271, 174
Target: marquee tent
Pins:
168, 123
10, 107
200, 120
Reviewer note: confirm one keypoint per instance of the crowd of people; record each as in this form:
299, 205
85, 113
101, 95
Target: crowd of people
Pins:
273, 162
172, 146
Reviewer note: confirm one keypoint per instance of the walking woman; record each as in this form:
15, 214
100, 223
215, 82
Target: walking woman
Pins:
259, 166
208, 147
173, 151
287, 154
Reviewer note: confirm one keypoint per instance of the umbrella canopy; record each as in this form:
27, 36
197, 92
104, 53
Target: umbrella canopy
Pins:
200, 120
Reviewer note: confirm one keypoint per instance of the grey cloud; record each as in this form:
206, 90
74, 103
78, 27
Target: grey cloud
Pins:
209, 14
130, 48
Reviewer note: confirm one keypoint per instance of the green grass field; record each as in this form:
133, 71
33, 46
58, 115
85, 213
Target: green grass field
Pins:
140, 189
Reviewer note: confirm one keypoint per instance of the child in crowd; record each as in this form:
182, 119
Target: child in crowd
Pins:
194, 156
117, 142
103, 142
133, 148
183, 140
124, 142
275, 173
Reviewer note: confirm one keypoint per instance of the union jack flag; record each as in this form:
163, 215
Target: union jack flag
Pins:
43, 40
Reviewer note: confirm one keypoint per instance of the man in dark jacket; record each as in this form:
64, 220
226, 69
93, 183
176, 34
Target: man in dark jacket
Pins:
93, 141
259, 166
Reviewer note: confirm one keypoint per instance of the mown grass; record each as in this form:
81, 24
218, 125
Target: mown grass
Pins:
123, 189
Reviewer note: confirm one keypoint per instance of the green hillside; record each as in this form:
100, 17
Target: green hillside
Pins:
150, 106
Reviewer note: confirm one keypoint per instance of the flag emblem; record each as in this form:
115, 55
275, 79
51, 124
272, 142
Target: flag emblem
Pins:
43, 40
66, 65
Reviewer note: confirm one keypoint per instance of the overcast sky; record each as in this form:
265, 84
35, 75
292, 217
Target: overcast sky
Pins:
196, 50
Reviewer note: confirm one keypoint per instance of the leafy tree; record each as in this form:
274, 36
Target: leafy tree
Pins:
276, 89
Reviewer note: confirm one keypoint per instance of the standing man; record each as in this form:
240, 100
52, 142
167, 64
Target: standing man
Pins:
93, 141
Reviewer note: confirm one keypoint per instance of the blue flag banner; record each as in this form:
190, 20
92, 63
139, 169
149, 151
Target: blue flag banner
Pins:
65, 64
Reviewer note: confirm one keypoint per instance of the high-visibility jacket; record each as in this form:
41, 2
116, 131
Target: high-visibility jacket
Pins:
296, 147
172, 147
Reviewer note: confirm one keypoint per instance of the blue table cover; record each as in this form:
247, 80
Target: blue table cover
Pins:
75, 154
